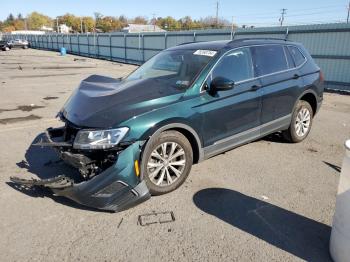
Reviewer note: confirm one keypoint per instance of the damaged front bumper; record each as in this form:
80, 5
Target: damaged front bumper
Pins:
116, 188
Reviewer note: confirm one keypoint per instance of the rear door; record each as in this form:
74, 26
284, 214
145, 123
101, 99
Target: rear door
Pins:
227, 113
280, 84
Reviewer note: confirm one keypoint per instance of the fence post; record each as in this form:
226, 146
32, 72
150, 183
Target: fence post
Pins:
110, 47
143, 48
88, 40
97, 45
165, 40
78, 44
194, 36
70, 43
125, 48
57, 41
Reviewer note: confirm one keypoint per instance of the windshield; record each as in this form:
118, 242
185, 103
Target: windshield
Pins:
176, 67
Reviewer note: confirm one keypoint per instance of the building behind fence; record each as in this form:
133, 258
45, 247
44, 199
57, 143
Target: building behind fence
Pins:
329, 45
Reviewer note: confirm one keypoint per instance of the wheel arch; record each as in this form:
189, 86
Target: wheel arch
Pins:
309, 96
185, 130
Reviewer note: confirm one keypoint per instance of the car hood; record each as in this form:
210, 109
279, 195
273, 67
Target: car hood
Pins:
104, 102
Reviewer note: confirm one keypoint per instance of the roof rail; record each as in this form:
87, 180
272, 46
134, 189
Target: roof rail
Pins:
191, 42
256, 38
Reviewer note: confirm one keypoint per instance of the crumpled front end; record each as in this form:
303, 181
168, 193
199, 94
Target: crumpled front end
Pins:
110, 179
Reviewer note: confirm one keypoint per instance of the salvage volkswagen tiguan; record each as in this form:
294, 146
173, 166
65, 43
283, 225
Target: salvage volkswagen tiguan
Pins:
138, 136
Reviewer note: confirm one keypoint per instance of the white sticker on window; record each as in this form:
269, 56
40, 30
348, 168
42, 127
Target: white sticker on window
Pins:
205, 52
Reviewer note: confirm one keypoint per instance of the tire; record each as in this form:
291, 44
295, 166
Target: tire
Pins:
301, 123
159, 174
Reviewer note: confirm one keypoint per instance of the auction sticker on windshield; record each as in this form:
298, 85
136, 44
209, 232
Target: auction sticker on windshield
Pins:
205, 52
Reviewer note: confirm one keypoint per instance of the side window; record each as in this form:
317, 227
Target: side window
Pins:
298, 57
236, 66
289, 58
269, 59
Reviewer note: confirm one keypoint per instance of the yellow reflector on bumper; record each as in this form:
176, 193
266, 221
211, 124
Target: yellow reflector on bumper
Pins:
137, 169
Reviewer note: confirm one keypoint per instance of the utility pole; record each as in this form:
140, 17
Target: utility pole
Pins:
347, 19
217, 14
154, 22
57, 25
81, 25
283, 12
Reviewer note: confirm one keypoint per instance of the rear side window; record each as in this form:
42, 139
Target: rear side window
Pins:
269, 59
236, 66
289, 58
298, 57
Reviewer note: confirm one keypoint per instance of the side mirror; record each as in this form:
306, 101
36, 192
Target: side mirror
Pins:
221, 84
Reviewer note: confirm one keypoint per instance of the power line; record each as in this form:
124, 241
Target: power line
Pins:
290, 11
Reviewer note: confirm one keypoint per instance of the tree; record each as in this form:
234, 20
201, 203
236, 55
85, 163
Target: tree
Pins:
168, 23
10, 18
8, 28
88, 23
123, 20
37, 20
19, 24
141, 20
187, 23
71, 21
108, 24
210, 22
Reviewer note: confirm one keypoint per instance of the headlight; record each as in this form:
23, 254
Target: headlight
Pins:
99, 139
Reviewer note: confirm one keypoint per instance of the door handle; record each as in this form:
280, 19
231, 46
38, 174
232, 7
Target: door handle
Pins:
255, 88
296, 76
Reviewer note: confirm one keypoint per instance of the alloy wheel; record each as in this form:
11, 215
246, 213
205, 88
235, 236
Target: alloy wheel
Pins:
166, 163
302, 122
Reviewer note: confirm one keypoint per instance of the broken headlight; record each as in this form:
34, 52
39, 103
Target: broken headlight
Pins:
99, 139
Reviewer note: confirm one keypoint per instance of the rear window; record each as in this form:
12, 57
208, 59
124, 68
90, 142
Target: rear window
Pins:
298, 57
269, 59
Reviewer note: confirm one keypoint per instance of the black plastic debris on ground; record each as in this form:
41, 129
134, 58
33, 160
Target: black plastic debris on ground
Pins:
156, 218
50, 97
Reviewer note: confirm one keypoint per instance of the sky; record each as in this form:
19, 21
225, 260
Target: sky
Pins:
246, 12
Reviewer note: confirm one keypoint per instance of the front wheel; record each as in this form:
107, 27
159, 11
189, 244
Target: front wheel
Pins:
166, 162
301, 123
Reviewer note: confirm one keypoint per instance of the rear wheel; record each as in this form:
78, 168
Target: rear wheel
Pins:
166, 162
301, 123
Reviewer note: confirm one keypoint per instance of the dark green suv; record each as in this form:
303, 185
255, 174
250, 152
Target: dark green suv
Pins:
139, 136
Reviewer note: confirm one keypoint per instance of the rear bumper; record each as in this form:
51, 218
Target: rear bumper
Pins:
115, 189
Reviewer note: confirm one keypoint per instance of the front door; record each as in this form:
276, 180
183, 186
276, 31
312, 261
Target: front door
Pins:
227, 114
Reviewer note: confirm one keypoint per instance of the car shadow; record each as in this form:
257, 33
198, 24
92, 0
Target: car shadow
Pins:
44, 163
276, 137
291, 232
